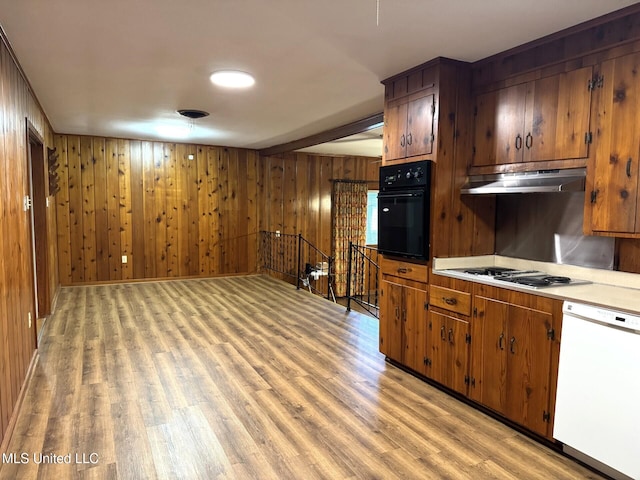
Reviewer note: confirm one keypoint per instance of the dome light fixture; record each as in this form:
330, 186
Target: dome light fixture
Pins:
232, 79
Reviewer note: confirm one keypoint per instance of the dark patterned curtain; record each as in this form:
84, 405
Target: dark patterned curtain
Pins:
349, 220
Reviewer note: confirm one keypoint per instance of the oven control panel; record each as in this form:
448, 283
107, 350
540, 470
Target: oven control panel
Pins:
406, 175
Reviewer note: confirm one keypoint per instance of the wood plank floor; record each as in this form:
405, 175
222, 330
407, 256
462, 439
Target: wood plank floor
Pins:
244, 377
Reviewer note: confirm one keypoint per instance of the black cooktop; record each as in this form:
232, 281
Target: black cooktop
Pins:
529, 278
537, 280
489, 270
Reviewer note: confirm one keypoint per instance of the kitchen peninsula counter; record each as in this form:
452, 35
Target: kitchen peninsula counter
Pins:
611, 289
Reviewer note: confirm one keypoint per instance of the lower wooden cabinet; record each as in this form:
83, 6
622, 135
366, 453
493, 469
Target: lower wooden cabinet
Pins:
514, 340
403, 313
447, 351
499, 347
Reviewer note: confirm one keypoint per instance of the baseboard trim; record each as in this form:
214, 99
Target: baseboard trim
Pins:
16, 411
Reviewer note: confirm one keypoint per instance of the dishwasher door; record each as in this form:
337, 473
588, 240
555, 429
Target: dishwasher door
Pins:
598, 397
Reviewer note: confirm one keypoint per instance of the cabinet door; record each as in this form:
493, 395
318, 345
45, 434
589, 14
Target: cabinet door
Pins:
615, 176
413, 314
395, 127
436, 346
499, 137
559, 117
511, 105
419, 135
490, 353
484, 147
528, 367
391, 327
449, 352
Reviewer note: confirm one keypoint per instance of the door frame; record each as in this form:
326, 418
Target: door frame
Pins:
38, 192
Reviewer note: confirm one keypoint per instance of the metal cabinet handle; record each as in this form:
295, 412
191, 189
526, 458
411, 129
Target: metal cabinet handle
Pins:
404, 315
500, 341
442, 333
409, 139
518, 142
403, 270
402, 141
397, 312
451, 335
512, 342
629, 167
449, 300
528, 142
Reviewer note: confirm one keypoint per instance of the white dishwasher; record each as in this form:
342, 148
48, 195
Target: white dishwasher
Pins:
598, 399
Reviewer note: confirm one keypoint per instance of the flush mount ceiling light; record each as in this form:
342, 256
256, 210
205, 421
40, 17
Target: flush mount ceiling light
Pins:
232, 79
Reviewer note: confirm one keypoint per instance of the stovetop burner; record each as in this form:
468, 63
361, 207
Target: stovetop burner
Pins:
529, 278
489, 270
540, 280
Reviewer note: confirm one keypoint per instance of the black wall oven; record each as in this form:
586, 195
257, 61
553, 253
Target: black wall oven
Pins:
403, 210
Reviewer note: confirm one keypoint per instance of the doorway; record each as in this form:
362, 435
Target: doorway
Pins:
38, 172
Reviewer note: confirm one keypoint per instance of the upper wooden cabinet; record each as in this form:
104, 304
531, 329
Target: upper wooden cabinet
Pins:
612, 180
541, 120
408, 127
419, 105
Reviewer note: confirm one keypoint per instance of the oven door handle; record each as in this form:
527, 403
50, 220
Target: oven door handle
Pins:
394, 195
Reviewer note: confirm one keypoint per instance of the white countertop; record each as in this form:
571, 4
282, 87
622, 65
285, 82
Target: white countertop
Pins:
616, 290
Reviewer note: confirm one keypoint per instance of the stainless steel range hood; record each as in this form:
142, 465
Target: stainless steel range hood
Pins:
569, 180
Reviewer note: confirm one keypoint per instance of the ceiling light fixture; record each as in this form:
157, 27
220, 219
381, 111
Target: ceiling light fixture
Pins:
232, 79
193, 114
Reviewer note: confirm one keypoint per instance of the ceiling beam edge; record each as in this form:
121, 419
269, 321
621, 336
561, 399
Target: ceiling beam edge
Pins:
358, 126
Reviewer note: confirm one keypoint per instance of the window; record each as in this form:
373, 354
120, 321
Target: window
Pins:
372, 217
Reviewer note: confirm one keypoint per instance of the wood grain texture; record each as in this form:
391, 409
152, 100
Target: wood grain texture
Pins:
169, 215
245, 377
17, 292
297, 192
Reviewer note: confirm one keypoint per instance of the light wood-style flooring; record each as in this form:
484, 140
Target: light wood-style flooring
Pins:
244, 378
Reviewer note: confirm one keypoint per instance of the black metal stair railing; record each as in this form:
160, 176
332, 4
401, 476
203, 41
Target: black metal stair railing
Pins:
294, 259
362, 278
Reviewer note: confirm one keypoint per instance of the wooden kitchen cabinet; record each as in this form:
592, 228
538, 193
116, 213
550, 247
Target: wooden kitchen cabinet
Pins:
447, 350
514, 347
408, 127
538, 121
421, 107
403, 312
447, 336
611, 194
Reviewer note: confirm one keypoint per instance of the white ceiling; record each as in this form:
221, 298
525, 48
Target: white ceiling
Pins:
122, 67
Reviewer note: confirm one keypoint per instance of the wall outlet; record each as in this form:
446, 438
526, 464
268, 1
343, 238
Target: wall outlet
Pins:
277, 233
124, 259
29, 316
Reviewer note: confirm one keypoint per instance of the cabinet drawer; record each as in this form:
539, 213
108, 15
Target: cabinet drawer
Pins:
408, 270
452, 300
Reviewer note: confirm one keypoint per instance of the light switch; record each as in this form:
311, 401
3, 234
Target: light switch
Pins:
124, 259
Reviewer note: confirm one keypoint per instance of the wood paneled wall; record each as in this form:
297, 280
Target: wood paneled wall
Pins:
17, 299
170, 215
296, 192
